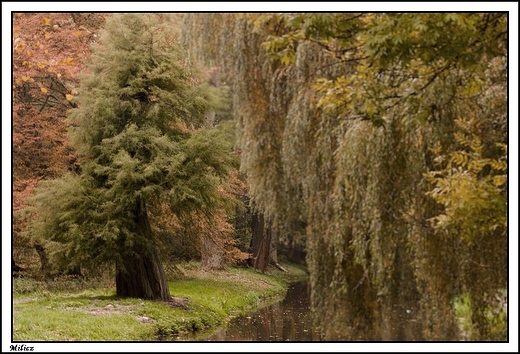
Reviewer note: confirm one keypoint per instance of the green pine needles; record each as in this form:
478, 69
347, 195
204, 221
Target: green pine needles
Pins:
138, 128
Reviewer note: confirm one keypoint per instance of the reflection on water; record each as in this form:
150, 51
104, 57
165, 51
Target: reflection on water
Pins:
288, 320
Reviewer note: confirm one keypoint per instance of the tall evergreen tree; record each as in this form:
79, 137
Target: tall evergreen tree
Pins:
136, 130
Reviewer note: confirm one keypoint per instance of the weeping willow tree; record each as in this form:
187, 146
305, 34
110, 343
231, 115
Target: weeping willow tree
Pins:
137, 130
386, 134
251, 86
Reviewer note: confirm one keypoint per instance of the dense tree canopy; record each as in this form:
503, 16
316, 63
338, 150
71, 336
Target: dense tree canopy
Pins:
138, 131
386, 134
378, 139
48, 50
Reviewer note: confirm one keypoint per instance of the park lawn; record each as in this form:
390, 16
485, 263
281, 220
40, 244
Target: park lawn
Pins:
202, 301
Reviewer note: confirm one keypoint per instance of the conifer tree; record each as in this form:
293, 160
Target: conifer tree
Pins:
136, 130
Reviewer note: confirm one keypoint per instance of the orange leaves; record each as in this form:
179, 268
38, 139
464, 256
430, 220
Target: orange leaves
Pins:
19, 45
46, 21
77, 33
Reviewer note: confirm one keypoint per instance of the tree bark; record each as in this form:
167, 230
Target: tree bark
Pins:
44, 261
273, 244
261, 242
141, 274
15, 267
212, 254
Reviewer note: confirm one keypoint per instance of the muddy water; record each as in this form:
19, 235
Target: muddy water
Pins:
288, 320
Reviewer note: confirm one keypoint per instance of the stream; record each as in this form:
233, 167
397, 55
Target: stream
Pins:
287, 320
291, 320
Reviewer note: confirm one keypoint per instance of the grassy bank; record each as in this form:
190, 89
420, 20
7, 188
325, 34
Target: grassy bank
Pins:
203, 300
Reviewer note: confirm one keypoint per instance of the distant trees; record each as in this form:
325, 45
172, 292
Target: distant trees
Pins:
138, 131
48, 50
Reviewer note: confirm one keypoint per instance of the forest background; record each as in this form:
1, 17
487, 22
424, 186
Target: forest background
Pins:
513, 149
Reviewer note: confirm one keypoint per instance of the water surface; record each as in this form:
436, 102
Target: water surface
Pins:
288, 320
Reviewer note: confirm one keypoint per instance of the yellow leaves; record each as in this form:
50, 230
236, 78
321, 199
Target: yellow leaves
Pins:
368, 20
18, 81
460, 158
19, 45
336, 93
288, 57
69, 97
476, 145
47, 35
41, 65
69, 61
471, 188
44, 90
471, 89
77, 33
503, 147
46, 21
468, 124
27, 79
499, 180
477, 165
370, 108
322, 85
498, 165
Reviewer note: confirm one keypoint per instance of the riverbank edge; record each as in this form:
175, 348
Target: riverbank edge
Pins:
204, 301
273, 288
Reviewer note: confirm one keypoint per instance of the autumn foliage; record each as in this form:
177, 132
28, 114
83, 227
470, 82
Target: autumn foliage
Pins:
48, 50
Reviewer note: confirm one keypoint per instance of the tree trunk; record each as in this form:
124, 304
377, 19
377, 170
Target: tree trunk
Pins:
273, 244
15, 268
212, 254
44, 261
261, 242
141, 274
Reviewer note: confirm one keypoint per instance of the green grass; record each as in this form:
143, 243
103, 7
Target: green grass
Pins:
48, 313
495, 316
